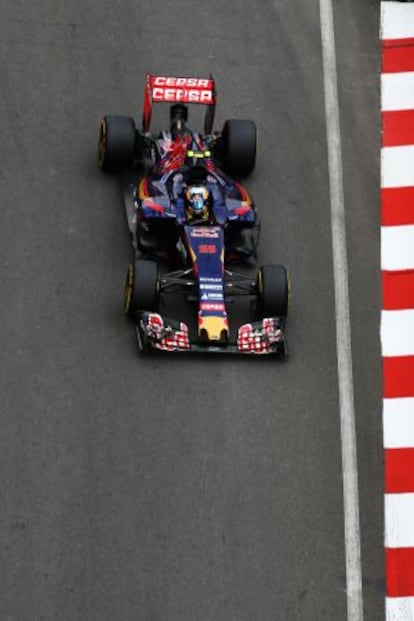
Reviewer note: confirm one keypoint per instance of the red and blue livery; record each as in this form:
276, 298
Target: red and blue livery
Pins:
191, 220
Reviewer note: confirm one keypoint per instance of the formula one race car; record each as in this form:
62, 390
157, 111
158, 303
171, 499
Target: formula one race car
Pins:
188, 215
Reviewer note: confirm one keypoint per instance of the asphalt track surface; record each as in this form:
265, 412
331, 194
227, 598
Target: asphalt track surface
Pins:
180, 489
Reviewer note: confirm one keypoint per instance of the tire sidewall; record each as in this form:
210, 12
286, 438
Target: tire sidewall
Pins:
142, 287
117, 143
273, 291
238, 145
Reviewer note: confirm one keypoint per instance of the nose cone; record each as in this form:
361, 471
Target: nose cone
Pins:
212, 328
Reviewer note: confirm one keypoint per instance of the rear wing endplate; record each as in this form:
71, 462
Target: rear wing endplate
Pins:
179, 90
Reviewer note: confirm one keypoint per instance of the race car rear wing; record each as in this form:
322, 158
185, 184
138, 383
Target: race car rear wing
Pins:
179, 90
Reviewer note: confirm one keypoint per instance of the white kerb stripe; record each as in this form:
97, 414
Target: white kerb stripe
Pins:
397, 20
397, 247
399, 520
397, 333
397, 167
398, 423
399, 608
397, 92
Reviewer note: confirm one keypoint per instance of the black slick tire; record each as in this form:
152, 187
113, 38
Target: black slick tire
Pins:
141, 291
117, 143
272, 291
238, 145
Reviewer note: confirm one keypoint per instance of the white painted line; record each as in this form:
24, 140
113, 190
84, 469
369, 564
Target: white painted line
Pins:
400, 608
397, 247
397, 167
343, 325
397, 20
397, 91
398, 423
399, 520
397, 333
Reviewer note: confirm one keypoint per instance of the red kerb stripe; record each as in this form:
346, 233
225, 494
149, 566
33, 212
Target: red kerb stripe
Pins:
399, 471
398, 290
397, 206
397, 55
402, 42
400, 572
398, 376
398, 128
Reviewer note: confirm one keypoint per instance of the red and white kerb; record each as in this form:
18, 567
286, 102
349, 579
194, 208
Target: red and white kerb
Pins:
397, 322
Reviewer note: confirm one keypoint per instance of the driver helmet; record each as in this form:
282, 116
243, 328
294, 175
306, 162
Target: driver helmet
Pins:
197, 202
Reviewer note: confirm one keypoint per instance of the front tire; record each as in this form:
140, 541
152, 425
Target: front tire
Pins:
272, 291
142, 287
117, 143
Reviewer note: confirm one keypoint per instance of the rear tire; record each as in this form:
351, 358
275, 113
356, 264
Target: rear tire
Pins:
273, 291
238, 142
117, 143
142, 292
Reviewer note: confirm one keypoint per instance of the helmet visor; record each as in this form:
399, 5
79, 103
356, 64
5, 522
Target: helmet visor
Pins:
197, 203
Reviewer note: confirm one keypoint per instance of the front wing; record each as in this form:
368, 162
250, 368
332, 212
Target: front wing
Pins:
157, 333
